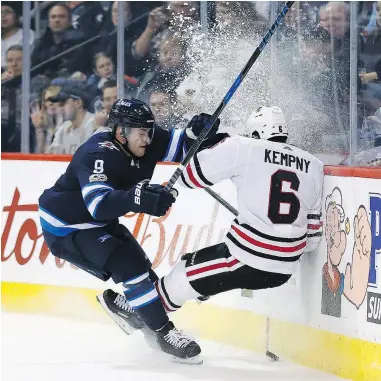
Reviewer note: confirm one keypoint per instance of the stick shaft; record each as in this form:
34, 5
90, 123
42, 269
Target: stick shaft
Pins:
223, 202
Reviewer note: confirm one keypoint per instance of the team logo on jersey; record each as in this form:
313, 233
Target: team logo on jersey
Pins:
97, 177
104, 238
108, 145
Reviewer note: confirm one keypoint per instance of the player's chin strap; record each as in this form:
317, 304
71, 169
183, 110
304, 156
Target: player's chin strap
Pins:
125, 149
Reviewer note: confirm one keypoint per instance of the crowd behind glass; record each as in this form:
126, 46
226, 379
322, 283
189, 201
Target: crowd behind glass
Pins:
314, 43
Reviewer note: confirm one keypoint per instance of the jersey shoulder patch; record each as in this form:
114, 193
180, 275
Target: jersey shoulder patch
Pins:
109, 145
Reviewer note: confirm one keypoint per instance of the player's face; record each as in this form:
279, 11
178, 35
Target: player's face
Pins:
138, 141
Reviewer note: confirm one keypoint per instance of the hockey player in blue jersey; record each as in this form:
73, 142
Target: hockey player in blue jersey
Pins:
108, 177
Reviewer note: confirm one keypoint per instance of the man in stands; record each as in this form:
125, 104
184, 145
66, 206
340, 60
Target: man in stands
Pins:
79, 123
60, 36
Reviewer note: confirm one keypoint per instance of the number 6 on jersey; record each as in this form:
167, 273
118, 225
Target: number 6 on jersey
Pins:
278, 197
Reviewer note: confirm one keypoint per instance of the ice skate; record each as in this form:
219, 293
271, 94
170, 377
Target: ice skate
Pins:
117, 307
179, 346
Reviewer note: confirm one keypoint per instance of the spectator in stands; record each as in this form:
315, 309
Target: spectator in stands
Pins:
239, 18
181, 13
175, 17
103, 68
92, 92
169, 72
370, 152
13, 59
87, 17
110, 95
127, 13
46, 116
79, 124
11, 102
11, 32
370, 62
163, 106
60, 36
109, 44
11, 99
334, 17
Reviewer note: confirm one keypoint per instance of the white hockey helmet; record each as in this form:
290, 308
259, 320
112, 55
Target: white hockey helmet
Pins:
266, 123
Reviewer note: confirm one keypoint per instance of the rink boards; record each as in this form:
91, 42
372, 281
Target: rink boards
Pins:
328, 316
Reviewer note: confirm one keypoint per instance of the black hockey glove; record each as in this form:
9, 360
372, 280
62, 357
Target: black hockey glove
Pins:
151, 199
198, 123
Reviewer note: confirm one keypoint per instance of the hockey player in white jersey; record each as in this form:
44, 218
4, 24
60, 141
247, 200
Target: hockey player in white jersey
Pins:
279, 190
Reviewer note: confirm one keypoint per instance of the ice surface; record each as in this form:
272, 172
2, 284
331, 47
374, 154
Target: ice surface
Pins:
42, 348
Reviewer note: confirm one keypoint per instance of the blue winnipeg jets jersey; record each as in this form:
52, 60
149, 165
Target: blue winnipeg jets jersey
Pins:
93, 190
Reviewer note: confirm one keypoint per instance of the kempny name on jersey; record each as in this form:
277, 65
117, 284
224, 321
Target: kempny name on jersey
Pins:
287, 160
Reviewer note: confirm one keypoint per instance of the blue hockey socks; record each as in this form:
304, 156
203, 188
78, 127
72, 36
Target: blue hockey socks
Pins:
144, 299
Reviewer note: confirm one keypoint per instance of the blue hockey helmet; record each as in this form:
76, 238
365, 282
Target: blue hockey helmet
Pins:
130, 113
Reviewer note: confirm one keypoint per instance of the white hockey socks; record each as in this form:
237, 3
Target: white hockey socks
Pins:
174, 289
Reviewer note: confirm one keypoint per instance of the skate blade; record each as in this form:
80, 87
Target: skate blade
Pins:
121, 323
197, 360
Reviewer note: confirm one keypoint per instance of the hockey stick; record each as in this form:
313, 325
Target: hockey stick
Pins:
217, 197
195, 146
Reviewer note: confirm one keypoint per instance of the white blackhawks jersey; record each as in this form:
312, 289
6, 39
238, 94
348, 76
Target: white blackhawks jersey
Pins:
279, 189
